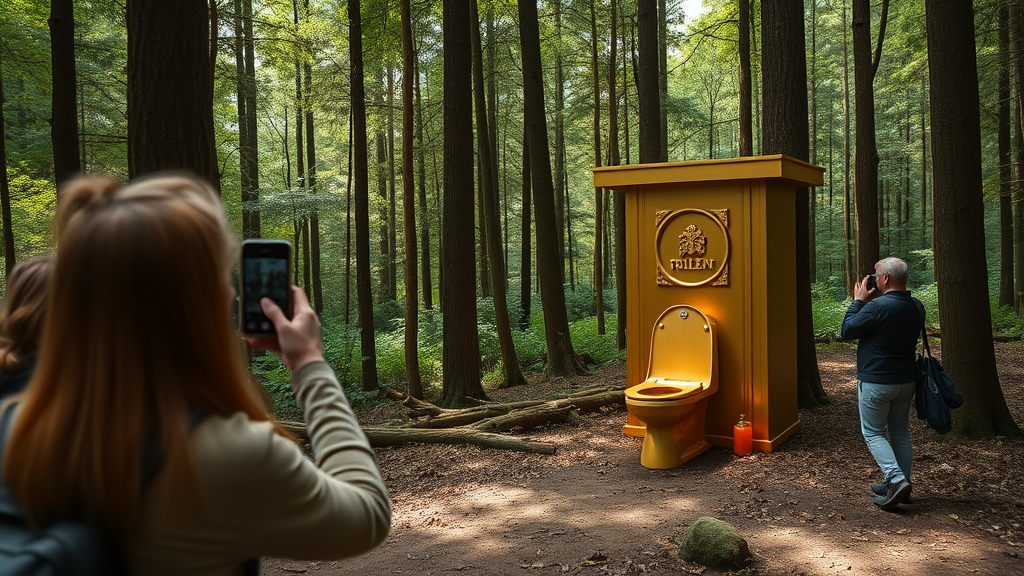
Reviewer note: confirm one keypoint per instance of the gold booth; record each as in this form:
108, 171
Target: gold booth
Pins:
712, 243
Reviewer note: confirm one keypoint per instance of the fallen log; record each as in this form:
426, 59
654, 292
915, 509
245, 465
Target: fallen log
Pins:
552, 410
380, 437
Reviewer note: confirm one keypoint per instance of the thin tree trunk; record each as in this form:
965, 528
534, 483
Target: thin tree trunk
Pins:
348, 225
812, 192
481, 226
925, 240
647, 83
526, 259
392, 204
598, 192
382, 191
1005, 204
412, 362
562, 359
364, 294
512, 374
663, 78
851, 274
785, 102
967, 350
461, 353
5, 193
746, 136
560, 192
64, 107
247, 131
428, 293
1017, 193
317, 291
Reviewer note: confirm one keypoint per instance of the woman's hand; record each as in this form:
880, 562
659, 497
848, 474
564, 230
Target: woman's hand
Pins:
298, 340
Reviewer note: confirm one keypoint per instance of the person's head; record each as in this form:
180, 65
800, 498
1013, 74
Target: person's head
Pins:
23, 311
891, 274
138, 334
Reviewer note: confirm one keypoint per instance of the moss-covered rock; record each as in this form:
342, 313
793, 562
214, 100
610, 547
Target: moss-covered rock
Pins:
714, 543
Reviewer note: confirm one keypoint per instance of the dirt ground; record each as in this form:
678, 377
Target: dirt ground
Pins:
804, 509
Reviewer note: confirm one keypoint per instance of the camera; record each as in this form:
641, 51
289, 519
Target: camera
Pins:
264, 274
872, 282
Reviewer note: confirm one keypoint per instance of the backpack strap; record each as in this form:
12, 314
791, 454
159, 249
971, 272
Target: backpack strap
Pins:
924, 332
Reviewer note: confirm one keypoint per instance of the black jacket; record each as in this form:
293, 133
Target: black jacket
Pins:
888, 328
14, 381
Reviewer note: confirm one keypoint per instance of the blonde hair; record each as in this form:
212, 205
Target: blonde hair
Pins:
137, 337
23, 312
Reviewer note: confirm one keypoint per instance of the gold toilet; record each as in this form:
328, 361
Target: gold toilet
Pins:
682, 373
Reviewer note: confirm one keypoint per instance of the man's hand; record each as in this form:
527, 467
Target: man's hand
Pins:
861, 292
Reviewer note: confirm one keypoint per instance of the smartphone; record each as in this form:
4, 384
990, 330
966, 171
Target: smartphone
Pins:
872, 282
264, 273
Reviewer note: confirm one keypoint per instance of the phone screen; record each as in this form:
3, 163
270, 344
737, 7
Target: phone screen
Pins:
264, 274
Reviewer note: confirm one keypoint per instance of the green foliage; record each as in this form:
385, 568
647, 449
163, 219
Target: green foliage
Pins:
603, 348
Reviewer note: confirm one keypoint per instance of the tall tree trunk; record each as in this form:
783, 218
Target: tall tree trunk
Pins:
746, 136
598, 192
364, 295
618, 201
428, 293
392, 204
560, 192
64, 108
967, 350
754, 73
492, 128
625, 85
925, 243
481, 226
386, 250
812, 192
785, 102
412, 361
562, 359
1017, 194
5, 193
461, 354
348, 225
851, 273
302, 230
526, 261
647, 82
512, 374
170, 128
663, 79
866, 168
247, 131
1005, 204
314, 218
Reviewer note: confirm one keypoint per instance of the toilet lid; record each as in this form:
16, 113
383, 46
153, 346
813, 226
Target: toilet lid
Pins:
663, 389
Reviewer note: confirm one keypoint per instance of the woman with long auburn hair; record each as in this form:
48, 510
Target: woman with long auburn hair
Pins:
21, 322
137, 341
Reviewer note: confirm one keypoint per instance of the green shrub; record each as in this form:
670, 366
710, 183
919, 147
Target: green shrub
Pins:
602, 348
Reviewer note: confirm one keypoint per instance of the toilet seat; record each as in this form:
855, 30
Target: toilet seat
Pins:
663, 389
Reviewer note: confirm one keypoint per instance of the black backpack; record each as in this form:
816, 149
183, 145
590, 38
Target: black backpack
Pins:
935, 394
68, 547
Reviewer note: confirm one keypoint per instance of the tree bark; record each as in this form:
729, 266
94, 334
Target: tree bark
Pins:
170, 128
967, 351
428, 293
746, 136
647, 83
866, 160
5, 193
461, 354
559, 181
812, 219
851, 274
562, 359
392, 204
412, 361
512, 374
1005, 204
1017, 193
663, 79
364, 295
248, 168
386, 250
785, 102
598, 192
526, 258
64, 107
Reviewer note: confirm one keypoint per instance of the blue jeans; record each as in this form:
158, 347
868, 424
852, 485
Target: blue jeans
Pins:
887, 406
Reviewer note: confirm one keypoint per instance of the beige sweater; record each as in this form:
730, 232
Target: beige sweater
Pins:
264, 497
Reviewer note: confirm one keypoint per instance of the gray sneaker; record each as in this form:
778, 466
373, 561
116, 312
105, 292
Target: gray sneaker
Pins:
895, 494
879, 490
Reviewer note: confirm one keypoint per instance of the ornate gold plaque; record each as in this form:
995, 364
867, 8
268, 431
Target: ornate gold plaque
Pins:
692, 247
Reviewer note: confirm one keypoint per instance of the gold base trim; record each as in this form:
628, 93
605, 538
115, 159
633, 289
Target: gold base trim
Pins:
760, 445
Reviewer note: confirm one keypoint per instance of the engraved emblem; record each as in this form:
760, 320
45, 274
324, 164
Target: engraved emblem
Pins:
692, 241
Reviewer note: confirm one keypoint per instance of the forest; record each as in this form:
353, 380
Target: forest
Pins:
430, 161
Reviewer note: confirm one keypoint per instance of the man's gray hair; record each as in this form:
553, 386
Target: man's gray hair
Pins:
895, 268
